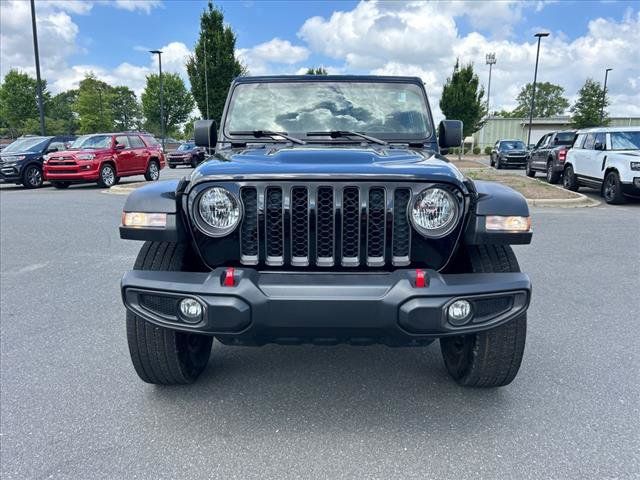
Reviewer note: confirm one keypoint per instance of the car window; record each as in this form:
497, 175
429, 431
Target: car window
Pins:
123, 140
135, 142
579, 141
625, 140
91, 142
151, 141
28, 144
542, 141
600, 138
589, 141
57, 146
565, 138
512, 145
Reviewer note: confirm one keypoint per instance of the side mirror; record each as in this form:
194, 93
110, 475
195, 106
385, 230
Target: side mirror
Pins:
119, 146
205, 133
450, 133
599, 146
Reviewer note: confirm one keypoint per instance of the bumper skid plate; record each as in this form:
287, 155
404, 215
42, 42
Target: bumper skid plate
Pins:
326, 308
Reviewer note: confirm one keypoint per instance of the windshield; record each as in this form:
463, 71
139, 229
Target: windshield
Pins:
512, 145
565, 138
384, 110
186, 146
32, 145
625, 140
91, 142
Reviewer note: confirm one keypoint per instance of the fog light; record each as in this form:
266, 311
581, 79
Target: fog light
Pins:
191, 310
459, 312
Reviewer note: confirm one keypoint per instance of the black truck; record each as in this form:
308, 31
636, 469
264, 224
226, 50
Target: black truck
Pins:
549, 155
325, 213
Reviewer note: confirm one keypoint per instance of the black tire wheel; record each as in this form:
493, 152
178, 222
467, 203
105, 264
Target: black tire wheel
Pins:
32, 176
107, 178
569, 180
612, 190
528, 170
491, 358
153, 171
491, 162
172, 166
552, 177
160, 355
61, 185
499, 163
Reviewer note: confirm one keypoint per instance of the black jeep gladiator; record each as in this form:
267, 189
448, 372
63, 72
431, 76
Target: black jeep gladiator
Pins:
325, 214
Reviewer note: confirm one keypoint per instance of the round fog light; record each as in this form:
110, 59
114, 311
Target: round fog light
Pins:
191, 310
459, 312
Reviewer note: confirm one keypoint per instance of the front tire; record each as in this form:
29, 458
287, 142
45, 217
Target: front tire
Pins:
499, 163
491, 358
612, 190
569, 180
107, 178
528, 170
32, 177
552, 177
153, 171
159, 355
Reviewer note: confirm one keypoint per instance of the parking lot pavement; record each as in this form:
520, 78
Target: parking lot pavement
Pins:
72, 407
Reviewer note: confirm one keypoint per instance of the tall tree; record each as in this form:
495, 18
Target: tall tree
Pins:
549, 102
462, 98
316, 71
586, 111
178, 103
125, 108
93, 105
61, 119
18, 100
219, 43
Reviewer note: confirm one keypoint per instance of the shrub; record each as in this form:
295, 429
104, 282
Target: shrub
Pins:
476, 150
487, 150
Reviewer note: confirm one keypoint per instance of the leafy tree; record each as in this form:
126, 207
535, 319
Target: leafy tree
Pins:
19, 100
187, 132
221, 64
60, 117
591, 100
178, 103
93, 105
125, 108
549, 102
316, 71
462, 98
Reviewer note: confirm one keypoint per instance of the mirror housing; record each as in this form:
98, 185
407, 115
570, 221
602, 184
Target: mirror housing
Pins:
599, 146
450, 133
205, 133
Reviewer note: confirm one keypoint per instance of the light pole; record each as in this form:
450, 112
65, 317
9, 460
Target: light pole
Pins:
604, 93
37, 55
206, 77
159, 53
533, 89
491, 61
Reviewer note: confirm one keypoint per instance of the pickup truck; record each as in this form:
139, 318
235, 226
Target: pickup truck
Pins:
550, 154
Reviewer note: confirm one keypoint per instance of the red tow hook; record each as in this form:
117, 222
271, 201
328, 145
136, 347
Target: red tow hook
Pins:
228, 280
422, 281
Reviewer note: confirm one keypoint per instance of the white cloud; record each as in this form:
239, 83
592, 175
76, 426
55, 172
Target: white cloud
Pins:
133, 5
260, 58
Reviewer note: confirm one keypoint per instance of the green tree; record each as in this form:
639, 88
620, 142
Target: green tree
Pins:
187, 131
462, 98
60, 117
178, 103
591, 100
550, 101
219, 43
93, 105
19, 100
316, 71
125, 108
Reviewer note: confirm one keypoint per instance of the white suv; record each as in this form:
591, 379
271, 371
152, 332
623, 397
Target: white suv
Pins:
607, 159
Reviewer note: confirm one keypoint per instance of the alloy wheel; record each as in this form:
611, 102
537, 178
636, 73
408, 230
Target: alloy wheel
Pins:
34, 177
108, 177
154, 173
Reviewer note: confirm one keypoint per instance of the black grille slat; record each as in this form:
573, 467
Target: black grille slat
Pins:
274, 231
300, 226
351, 226
376, 227
401, 237
249, 229
325, 227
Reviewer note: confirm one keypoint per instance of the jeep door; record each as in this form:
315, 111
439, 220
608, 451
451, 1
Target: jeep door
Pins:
124, 155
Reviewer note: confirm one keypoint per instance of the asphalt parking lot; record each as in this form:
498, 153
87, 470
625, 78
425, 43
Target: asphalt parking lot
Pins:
72, 407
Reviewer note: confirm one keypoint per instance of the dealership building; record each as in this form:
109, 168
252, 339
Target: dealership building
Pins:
497, 128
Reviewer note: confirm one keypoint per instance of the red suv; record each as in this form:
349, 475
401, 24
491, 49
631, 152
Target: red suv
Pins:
105, 158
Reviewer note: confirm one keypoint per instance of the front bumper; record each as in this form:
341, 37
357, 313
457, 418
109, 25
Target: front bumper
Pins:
181, 160
88, 172
520, 161
325, 308
10, 173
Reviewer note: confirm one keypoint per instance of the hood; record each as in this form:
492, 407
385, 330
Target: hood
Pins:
329, 162
73, 153
7, 155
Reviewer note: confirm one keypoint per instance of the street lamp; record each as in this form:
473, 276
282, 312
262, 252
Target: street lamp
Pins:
37, 55
159, 53
491, 61
604, 93
535, 77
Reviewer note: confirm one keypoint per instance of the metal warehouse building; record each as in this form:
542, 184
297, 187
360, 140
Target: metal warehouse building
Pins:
497, 128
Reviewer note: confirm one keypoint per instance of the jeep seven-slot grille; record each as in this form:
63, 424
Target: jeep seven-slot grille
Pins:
326, 226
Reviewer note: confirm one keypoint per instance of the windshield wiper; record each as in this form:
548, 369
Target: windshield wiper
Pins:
346, 133
269, 134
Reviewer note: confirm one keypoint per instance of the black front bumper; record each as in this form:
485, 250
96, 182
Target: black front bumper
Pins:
519, 161
326, 308
10, 174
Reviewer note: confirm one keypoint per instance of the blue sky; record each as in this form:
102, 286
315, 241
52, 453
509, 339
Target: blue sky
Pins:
110, 38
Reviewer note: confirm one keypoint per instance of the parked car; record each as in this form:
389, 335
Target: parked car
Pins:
105, 158
312, 233
509, 153
186, 154
607, 159
549, 155
21, 161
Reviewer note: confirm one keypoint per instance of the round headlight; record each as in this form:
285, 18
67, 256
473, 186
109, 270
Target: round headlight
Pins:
434, 212
219, 211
